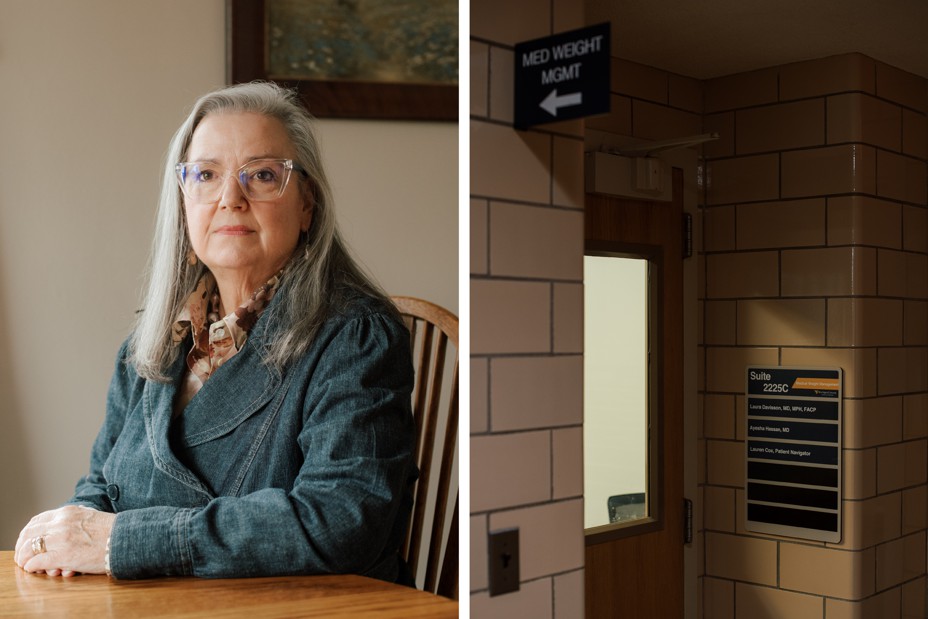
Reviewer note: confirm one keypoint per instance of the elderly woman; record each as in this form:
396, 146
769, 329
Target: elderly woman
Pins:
258, 421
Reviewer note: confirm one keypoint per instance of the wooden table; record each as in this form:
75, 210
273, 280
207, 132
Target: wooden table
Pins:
25, 595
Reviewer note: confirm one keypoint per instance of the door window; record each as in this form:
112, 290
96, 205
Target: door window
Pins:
617, 420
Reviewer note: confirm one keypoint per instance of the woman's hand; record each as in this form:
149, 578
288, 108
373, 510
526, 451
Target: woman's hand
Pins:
75, 541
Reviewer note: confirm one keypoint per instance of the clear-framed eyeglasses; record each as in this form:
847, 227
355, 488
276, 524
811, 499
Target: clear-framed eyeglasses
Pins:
261, 179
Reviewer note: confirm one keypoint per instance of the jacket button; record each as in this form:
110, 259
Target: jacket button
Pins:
112, 491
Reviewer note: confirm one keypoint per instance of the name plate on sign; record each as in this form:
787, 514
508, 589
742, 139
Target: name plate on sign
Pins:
793, 452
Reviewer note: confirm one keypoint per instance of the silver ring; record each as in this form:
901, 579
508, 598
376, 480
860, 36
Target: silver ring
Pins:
38, 545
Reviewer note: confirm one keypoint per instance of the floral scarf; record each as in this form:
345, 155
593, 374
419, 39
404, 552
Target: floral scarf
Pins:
219, 339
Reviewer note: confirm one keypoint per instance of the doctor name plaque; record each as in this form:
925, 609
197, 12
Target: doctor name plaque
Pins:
793, 452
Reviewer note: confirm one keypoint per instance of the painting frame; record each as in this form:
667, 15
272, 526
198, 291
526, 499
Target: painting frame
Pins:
246, 61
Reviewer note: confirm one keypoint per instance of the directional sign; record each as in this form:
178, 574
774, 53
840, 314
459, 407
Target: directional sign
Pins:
793, 450
562, 77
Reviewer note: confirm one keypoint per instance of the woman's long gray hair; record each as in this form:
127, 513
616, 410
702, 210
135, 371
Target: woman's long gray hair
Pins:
319, 278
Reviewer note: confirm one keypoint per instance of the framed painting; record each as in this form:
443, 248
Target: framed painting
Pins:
385, 59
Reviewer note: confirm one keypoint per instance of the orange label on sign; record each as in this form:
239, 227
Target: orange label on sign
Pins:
830, 384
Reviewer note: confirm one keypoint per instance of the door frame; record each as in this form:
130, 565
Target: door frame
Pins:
686, 159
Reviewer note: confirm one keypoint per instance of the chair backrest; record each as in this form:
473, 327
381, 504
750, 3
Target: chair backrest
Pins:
435, 408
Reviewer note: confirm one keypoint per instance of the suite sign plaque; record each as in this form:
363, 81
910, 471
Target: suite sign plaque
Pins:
793, 451
562, 77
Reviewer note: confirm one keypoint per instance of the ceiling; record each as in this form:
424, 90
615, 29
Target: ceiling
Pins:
710, 38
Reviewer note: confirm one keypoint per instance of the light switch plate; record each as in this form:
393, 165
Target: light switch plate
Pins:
504, 561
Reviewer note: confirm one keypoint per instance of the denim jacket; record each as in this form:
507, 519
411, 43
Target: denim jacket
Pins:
264, 473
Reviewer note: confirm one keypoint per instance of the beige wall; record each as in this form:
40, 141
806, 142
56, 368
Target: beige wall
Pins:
91, 93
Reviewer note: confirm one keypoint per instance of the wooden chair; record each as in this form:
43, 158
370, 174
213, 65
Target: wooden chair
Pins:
435, 408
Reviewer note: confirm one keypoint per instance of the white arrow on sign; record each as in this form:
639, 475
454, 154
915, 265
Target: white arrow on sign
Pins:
552, 102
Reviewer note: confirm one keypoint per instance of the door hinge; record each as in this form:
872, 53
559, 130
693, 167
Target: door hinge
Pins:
687, 235
687, 521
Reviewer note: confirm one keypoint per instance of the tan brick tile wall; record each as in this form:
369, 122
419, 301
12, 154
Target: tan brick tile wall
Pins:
902, 370
478, 552
720, 322
479, 395
836, 271
479, 71
914, 130
502, 74
865, 321
548, 541
752, 274
741, 90
900, 177
514, 469
755, 601
639, 81
782, 322
871, 521
686, 93
510, 317
568, 594
872, 422
535, 242
913, 599
859, 364
568, 318
915, 416
479, 225
793, 223
728, 365
618, 120
886, 604
719, 416
658, 122
736, 557
914, 223
780, 127
567, 474
719, 228
533, 599
857, 117
864, 220
816, 235
848, 168
859, 473
567, 183
725, 463
718, 598
901, 87
824, 76
535, 392
816, 253
826, 571
720, 509
507, 164
743, 179
526, 324
724, 125
509, 22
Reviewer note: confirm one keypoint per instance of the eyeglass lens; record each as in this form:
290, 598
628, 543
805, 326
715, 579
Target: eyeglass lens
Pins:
264, 179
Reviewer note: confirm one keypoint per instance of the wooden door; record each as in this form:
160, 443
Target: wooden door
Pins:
635, 570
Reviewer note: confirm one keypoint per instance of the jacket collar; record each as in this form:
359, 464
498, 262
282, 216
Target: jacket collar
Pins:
234, 393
